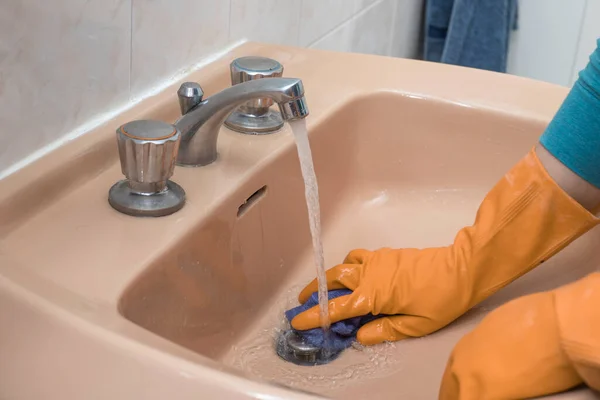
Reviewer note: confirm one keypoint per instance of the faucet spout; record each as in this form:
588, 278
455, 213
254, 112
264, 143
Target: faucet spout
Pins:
200, 125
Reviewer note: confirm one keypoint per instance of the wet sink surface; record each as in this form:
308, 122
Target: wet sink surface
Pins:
394, 171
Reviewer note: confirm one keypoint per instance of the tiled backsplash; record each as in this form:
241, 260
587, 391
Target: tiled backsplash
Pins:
64, 63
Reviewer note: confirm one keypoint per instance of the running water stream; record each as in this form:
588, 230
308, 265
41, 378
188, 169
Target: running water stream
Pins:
314, 214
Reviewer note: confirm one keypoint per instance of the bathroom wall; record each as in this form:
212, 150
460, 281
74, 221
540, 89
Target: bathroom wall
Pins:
588, 34
66, 65
555, 39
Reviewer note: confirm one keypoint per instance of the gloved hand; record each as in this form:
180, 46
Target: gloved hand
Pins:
525, 219
532, 346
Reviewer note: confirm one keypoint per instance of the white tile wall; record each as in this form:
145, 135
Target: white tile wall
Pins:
66, 62
545, 44
319, 17
59, 66
407, 30
590, 32
555, 39
368, 31
168, 35
272, 21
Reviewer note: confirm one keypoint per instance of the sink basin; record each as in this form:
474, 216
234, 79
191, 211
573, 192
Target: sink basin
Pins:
96, 304
393, 170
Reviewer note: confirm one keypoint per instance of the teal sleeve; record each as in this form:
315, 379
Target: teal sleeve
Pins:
573, 135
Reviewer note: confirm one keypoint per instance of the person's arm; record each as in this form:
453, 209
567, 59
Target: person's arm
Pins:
546, 342
575, 186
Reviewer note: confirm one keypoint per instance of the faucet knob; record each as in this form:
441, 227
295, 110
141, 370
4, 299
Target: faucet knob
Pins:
148, 151
246, 69
254, 116
190, 95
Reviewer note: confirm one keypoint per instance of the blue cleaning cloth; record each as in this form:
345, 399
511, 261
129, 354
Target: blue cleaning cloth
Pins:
471, 33
573, 135
341, 334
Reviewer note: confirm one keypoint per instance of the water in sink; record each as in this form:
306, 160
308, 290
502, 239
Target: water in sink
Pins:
254, 355
314, 214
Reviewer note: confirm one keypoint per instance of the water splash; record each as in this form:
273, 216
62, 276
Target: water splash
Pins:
355, 365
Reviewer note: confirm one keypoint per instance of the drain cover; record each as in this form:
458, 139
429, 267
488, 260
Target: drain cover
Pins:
293, 348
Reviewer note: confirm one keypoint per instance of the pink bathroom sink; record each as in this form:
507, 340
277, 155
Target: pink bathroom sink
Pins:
393, 170
95, 304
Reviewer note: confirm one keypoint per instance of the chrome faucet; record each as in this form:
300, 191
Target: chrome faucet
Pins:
149, 149
201, 120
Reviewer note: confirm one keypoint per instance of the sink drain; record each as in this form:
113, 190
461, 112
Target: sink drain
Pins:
293, 348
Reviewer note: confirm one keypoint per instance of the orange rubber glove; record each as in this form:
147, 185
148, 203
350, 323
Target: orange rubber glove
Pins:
532, 346
525, 219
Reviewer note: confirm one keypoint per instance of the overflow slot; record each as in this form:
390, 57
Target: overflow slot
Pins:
251, 201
